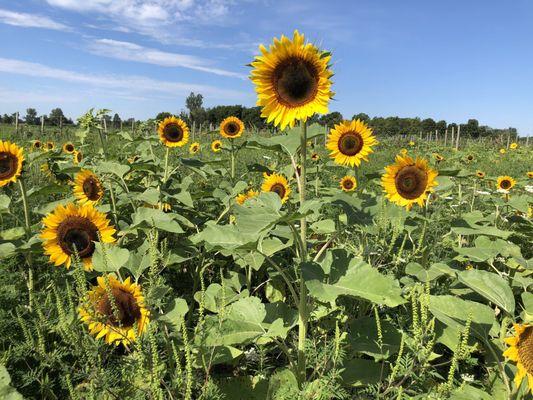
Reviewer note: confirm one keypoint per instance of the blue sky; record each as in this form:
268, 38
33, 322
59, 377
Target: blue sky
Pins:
449, 60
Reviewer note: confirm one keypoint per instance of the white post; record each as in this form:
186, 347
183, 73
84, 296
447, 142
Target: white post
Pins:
445, 136
458, 137
17, 122
42, 124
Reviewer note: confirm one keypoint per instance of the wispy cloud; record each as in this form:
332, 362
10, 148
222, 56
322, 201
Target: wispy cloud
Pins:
30, 20
128, 84
134, 52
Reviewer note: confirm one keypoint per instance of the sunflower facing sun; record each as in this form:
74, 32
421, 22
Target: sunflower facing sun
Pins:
37, 145
408, 181
173, 132
350, 142
74, 228
87, 188
231, 128
68, 148
115, 310
521, 352
278, 184
11, 159
348, 183
216, 146
505, 183
292, 80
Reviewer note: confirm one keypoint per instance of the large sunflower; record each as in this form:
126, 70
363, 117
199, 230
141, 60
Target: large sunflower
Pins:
231, 128
87, 188
216, 146
350, 142
292, 80
278, 184
69, 148
74, 228
242, 197
173, 132
408, 181
11, 159
505, 183
348, 183
521, 352
115, 311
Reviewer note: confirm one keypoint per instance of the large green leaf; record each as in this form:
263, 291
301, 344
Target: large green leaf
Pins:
7, 392
110, 258
363, 338
491, 286
358, 372
146, 218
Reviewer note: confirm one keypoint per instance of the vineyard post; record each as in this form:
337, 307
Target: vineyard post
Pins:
436, 135
453, 135
508, 138
458, 137
193, 129
42, 124
17, 122
61, 125
527, 141
445, 137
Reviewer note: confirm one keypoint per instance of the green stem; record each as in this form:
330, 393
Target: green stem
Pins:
232, 161
165, 177
27, 228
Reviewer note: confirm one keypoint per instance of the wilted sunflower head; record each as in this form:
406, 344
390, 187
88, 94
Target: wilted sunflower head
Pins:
530, 174
513, 146
115, 310
50, 146
470, 157
216, 146
480, 174
68, 148
278, 184
11, 159
231, 127
173, 132
77, 156
37, 145
505, 183
87, 188
350, 142
521, 352
194, 148
348, 183
292, 80
242, 197
408, 181
70, 229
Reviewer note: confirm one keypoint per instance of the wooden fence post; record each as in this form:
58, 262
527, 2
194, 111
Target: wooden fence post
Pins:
508, 138
458, 137
453, 136
17, 122
445, 136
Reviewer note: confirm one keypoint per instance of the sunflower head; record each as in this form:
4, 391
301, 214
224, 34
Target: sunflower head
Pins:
242, 197
115, 310
411, 143
11, 159
438, 157
70, 229
408, 181
173, 132
231, 128
69, 148
529, 174
87, 188
505, 183
315, 157
403, 152
278, 184
216, 146
348, 183
521, 351
470, 158
37, 145
513, 146
133, 159
350, 142
194, 148
292, 80
480, 174
50, 146
502, 151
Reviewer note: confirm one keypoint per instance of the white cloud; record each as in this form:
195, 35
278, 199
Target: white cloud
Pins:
30, 20
134, 52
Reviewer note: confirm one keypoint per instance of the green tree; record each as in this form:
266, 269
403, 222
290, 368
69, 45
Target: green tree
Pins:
194, 103
116, 121
31, 116
56, 115
362, 116
162, 115
331, 119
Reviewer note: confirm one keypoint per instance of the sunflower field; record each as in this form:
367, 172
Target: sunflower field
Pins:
312, 263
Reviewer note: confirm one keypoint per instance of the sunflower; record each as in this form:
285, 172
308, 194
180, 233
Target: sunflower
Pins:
292, 80
411, 143
315, 157
470, 158
68, 148
231, 128
115, 310
278, 184
438, 157
194, 148
173, 132
11, 159
216, 146
87, 188
403, 152
502, 151
77, 156
50, 146
521, 352
505, 183
348, 183
480, 174
37, 145
133, 159
241, 198
529, 174
408, 181
350, 142
74, 228
513, 146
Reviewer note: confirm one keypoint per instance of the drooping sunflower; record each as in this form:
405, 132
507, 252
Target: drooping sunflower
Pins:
37, 145
231, 127
278, 184
69, 229
480, 174
115, 310
242, 197
513, 146
315, 157
69, 148
350, 142
521, 352
194, 148
505, 183
470, 158
216, 146
173, 132
87, 188
77, 156
50, 146
292, 80
408, 181
11, 159
438, 157
529, 174
348, 183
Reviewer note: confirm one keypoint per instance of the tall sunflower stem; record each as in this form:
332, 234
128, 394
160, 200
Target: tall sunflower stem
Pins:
27, 229
232, 161
165, 176
302, 307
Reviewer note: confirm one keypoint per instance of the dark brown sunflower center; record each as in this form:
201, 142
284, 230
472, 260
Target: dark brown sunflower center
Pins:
295, 82
79, 156
347, 184
279, 189
216, 146
411, 182
525, 349
37, 145
173, 132
127, 310
77, 234
69, 148
91, 188
470, 158
8, 165
231, 129
506, 184
350, 143
50, 145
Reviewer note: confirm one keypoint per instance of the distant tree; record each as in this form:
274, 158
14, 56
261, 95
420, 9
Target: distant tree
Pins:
428, 125
162, 115
362, 116
194, 103
441, 125
331, 119
8, 119
116, 121
31, 116
56, 115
